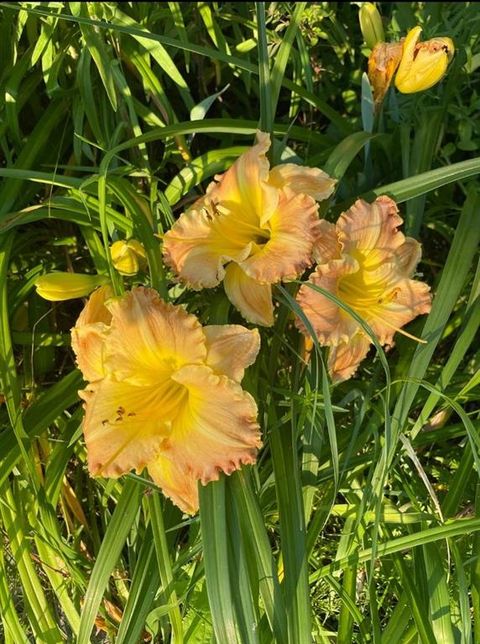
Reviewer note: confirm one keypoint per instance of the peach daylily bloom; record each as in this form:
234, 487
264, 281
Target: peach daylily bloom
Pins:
253, 228
365, 261
164, 393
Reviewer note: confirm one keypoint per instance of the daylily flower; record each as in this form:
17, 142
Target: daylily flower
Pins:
418, 65
128, 257
253, 228
60, 286
365, 261
423, 64
164, 392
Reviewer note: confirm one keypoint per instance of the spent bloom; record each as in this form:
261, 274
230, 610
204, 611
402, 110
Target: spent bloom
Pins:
367, 263
164, 392
254, 227
418, 65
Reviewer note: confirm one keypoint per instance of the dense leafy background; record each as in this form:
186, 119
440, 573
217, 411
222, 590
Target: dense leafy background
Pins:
361, 519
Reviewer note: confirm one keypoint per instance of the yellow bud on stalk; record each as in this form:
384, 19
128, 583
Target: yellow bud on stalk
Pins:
371, 24
423, 64
60, 286
128, 257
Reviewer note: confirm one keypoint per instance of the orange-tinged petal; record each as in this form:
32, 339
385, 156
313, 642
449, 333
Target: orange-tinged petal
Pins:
149, 339
89, 333
124, 425
326, 245
309, 181
382, 65
178, 483
244, 187
231, 348
217, 429
409, 299
253, 299
197, 250
289, 250
345, 358
330, 322
371, 227
407, 256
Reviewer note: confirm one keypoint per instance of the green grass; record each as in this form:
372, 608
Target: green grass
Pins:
361, 519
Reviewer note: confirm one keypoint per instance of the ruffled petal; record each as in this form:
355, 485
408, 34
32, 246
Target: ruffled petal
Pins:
197, 250
178, 483
326, 245
407, 256
124, 425
251, 298
330, 322
89, 334
231, 348
345, 358
303, 180
289, 250
149, 339
244, 188
409, 299
217, 429
371, 229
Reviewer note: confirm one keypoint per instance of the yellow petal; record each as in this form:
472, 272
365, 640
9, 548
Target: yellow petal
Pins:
217, 429
177, 483
89, 333
150, 339
303, 180
57, 287
331, 323
289, 250
371, 229
244, 187
128, 257
197, 250
231, 348
422, 64
345, 358
124, 425
251, 298
410, 298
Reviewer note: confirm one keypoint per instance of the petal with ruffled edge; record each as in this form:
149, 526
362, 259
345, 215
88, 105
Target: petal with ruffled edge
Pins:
196, 248
288, 252
89, 333
124, 425
326, 245
371, 229
409, 299
244, 189
178, 483
251, 298
407, 256
231, 348
345, 358
330, 322
150, 339
309, 181
216, 430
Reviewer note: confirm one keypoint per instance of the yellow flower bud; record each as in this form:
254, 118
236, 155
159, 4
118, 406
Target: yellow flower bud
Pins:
60, 286
128, 257
382, 65
371, 24
422, 64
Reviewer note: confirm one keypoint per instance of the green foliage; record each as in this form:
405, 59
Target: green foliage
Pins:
360, 521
